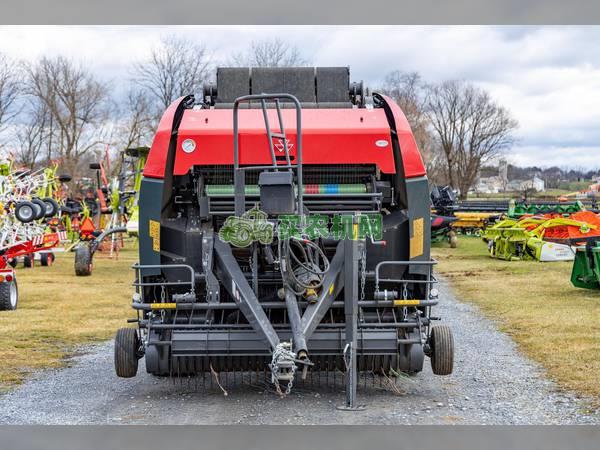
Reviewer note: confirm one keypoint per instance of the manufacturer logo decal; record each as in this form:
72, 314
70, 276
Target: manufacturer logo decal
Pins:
279, 145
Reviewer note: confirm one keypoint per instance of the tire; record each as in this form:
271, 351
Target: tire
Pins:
126, 352
28, 261
52, 207
9, 295
40, 207
13, 262
25, 212
83, 261
47, 259
453, 238
441, 343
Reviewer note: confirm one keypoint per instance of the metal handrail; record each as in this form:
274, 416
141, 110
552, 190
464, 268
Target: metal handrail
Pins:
428, 281
238, 173
140, 267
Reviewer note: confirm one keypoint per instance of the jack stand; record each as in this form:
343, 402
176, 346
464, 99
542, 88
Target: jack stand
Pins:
351, 258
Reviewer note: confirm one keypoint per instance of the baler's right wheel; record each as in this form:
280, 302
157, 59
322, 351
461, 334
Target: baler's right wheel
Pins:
441, 343
126, 352
83, 261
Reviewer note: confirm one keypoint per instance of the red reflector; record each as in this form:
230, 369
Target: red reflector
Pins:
8, 277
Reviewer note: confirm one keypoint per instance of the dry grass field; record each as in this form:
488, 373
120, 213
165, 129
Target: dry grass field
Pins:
58, 311
552, 322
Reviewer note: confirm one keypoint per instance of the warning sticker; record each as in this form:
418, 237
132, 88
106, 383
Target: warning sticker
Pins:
154, 232
417, 240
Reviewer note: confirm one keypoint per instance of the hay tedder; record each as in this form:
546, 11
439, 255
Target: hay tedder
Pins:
284, 230
25, 226
119, 201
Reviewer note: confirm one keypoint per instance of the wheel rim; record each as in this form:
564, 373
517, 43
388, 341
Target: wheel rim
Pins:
13, 295
26, 212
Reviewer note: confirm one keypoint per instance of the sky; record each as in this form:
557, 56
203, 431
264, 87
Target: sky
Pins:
547, 77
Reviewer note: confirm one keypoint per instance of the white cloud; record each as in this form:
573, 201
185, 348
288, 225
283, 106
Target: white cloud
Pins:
548, 77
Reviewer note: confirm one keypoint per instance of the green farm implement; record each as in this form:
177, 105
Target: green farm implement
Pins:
515, 240
586, 268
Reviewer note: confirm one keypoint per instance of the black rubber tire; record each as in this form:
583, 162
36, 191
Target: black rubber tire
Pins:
453, 239
40, 207
83, 261
25, 212
52, 207
126, 352
9, 295
28, 261
13, 262
47, 259
441, 343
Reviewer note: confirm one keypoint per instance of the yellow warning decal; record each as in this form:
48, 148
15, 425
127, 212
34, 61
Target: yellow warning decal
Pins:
407, 302
154, 232
163, 305
417, 241
331, 289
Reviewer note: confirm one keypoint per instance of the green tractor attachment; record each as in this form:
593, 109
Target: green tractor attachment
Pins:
586, 268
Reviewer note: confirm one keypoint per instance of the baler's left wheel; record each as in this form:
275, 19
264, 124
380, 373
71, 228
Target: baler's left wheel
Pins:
441, 343
126, 352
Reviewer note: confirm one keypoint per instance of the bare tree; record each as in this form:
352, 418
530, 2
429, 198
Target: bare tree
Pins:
9, 90
408, 90
137, 123
176, 67
470, 128
34, 137
77, 104
270, 53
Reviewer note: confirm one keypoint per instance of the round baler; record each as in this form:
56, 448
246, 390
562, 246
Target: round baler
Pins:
232, 276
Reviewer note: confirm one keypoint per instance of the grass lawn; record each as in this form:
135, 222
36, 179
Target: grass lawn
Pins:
58, 311
552, 322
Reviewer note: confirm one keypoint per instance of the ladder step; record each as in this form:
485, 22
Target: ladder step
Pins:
278, 135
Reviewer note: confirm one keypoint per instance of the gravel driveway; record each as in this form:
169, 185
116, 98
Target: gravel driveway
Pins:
492, 384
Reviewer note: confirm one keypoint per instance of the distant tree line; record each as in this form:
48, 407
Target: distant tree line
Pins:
58, 109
